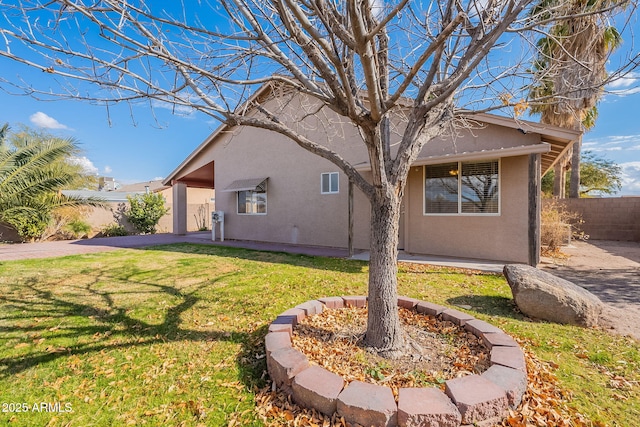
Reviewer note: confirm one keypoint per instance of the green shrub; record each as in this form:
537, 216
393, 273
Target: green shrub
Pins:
29, 226
145, 211
78, 228
113, 230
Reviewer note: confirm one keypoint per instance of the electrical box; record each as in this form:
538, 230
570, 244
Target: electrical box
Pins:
217, 217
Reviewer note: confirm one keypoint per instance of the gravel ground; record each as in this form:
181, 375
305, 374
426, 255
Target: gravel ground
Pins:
611, 271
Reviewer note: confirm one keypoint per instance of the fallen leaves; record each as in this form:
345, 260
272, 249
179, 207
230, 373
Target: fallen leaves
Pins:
544, 403
435, 351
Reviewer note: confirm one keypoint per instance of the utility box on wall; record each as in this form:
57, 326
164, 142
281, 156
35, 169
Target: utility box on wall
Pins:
217, 217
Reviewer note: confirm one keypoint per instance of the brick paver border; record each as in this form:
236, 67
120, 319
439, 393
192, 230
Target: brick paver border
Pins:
474, 399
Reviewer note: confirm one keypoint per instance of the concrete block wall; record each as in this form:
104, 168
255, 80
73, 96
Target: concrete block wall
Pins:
612, 218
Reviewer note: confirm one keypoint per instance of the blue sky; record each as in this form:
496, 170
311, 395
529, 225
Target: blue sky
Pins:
142, 143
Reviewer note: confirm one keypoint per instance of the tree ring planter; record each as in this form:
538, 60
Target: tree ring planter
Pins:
466, 400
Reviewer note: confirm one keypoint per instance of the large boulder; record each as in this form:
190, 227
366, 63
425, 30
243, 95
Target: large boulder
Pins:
544, 296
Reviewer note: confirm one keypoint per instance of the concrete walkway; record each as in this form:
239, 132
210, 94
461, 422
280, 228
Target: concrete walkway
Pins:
10, 252
611, 271
19, 251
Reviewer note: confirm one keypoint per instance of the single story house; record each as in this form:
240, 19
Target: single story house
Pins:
473, 193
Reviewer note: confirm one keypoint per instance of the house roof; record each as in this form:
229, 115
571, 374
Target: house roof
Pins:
559, 139
555, 141
105, 196
155, 185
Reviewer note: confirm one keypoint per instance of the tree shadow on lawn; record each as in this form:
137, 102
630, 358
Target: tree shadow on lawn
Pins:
112, 326
298, 260
489, 304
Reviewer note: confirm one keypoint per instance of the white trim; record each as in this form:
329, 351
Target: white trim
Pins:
460, 213
330, 175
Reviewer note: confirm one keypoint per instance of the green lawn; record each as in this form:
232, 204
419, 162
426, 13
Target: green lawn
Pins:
174, 335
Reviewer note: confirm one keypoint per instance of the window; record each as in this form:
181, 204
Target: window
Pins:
329, 183
252, 202
462, 188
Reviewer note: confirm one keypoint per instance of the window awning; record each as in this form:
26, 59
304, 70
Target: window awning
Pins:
252, 184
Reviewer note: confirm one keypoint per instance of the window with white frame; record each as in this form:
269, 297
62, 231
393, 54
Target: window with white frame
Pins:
329, 183
252, 202
462, 188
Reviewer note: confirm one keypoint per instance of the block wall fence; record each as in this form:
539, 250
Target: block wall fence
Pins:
611, 218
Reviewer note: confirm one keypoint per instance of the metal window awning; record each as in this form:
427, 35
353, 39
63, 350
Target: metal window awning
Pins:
253, 184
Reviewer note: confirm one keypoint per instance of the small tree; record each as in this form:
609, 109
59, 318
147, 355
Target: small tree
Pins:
598, 175
34, 167
145, 211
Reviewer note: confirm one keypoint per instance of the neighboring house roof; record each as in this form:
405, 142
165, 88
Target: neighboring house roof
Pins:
555, 141
106, 196
154, 186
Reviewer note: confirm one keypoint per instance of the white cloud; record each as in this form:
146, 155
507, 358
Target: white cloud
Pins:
377, 8
628, 84
625, 81
42, 120
630, 178
86, 164
178, 110
107, 169
612, 143
158, 178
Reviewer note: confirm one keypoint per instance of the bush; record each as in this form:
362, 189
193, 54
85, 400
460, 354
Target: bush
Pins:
558, 226
78, 228
145, 211
113, 230
201, 216
29, 226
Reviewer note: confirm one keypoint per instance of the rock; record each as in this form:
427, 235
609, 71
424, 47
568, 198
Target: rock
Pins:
544, 296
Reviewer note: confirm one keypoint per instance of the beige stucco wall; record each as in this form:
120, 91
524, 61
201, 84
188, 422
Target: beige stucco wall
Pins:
503, 237
478, 138
297, 212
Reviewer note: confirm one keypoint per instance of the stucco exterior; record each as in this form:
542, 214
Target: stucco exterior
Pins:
498, 237
298, 213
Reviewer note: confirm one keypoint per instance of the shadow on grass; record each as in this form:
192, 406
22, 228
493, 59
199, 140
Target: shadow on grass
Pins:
489, 305
32, 312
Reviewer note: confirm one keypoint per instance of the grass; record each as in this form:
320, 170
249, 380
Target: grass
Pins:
173, 335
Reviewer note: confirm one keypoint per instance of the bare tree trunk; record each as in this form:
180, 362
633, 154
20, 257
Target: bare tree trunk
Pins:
574, 184
384, 333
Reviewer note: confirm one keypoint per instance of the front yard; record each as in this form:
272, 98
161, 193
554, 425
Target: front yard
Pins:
174, 335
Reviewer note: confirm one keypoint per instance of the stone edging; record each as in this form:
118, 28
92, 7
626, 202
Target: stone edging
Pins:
466, 400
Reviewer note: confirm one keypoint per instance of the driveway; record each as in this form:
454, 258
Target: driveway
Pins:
611, 271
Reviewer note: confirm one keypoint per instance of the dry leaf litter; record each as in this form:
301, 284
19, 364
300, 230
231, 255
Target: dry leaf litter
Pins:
439, 351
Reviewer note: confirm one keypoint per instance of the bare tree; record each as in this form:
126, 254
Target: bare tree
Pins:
366, 61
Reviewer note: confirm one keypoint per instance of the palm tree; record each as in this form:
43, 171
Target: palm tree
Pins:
573, 54
32, 172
